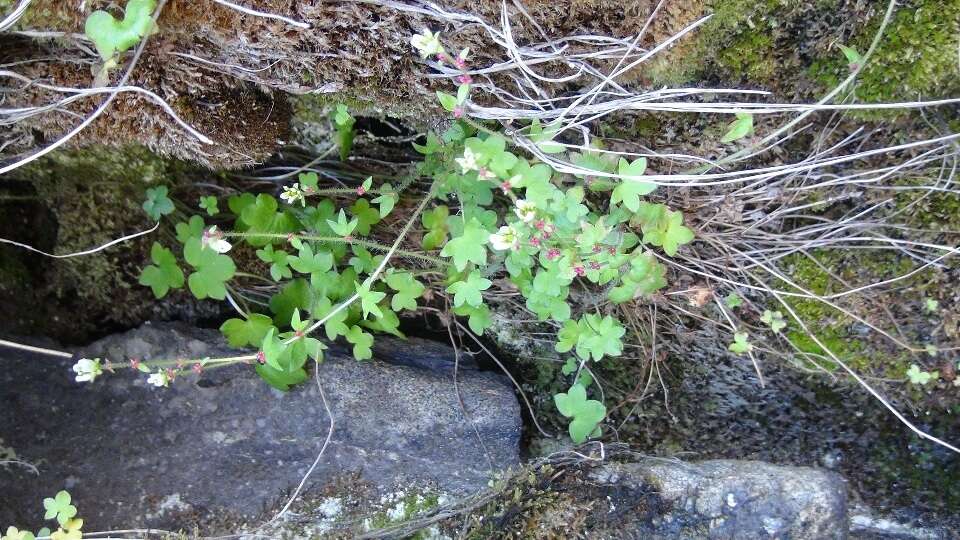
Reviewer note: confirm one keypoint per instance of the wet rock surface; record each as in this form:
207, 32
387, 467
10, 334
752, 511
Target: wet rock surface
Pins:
226, 444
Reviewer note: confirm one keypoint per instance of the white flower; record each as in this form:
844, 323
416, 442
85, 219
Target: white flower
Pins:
292, 194
505, 238
87, 370
468, 162
525, 210
427, 43
213, 239
159, 378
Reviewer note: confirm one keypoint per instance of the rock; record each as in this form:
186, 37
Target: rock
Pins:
227, 445
728, 499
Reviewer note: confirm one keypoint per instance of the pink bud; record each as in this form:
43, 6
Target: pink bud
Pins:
197, 368
460, 62
171, 374
535, 242
552, 254
597, 248
464, 79
361, 190
458, 112
595, 265
540, 224
612, 251
579, 270
505, 186
261, 358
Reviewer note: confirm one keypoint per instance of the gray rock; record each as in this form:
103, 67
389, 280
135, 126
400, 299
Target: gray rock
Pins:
727, 499
226, 444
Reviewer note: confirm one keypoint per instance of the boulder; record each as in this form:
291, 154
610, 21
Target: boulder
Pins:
225, 444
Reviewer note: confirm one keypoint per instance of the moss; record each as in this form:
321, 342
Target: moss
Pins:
750, 57
916, 58
831, 326
932, 211
745, 41
93, 196
404, 506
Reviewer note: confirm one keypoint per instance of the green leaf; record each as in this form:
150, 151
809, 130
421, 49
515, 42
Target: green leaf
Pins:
362, 343
629, 191
585, 414
163, 274
853, 57
733, 300
336, 324
386, 201
369, 300
568, 336
274, 350
190, 229
158, 204
408, 290
435, 221
279, 262
261, 217
363, 261
314, 264
469, 291
341, 116
309, 180
739, 128
366, 216
543, 137
246, 332
110, 36
463, 92
740, 343
341, 226
668, 232
432, 147
447, 101
599, 337
284, 363
59, 508
469, 246
773, 319
479, 317
645, 277
212, 270
389, 323
296, 294
281, 379
918, 376
209, 203
344, 132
